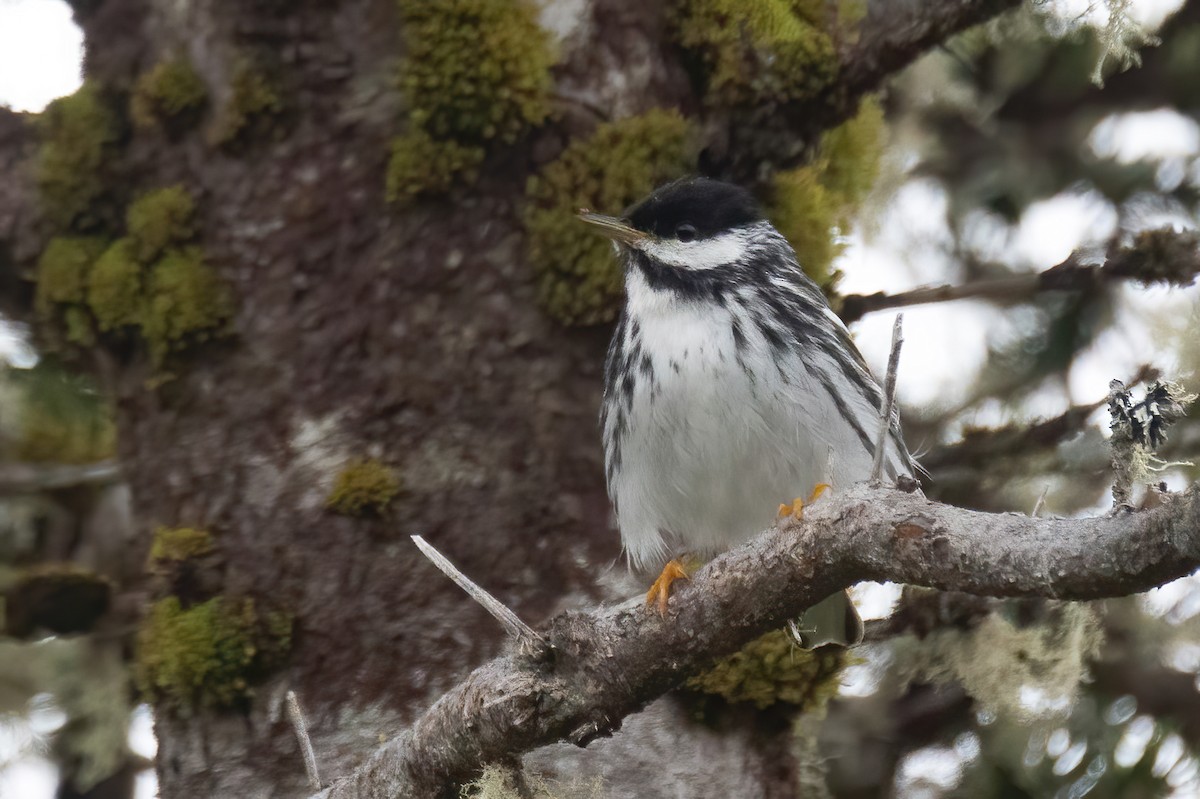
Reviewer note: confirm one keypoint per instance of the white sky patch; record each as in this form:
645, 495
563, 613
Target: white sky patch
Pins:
30, 778
14, 346
141, 732
1145, 136
944, 346
1051, 229
41, 53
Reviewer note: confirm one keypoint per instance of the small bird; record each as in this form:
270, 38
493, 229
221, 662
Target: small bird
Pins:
729, 385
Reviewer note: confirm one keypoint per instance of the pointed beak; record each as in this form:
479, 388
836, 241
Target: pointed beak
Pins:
616, 229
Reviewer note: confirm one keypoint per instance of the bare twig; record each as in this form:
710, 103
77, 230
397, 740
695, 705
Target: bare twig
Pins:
306, 747
887, 409
612, 661
1041, 502
1158, 256
518, 629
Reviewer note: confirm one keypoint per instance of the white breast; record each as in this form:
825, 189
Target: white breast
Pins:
720, 437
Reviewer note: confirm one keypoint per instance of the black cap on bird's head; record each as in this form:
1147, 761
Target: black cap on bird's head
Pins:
686, 210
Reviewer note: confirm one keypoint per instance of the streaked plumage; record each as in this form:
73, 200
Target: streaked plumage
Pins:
730, 385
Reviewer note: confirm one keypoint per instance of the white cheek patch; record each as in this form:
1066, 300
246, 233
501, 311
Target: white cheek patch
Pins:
701, 254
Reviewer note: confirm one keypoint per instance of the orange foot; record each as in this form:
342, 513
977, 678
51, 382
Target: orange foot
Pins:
661, 590
795, 508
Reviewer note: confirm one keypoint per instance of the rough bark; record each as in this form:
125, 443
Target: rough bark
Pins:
603, 665
413, 337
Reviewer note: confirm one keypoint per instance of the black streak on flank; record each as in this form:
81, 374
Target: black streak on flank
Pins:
739, 338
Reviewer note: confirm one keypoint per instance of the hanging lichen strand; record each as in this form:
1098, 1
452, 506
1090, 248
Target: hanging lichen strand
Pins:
459, 106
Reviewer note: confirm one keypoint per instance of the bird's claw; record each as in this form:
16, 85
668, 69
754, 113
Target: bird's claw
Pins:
660, 591
795, 508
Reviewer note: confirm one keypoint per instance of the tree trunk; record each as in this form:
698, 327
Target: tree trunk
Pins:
408, 336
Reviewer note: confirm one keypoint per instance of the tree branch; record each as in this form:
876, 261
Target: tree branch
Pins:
1157, 256
29, 478
603, 665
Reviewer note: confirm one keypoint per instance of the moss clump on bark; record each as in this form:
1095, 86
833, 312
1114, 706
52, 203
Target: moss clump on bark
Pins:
153, 283
475, 70
813, 205
363, 487
158, 219
458, 105
421, 164
79, 134
186, 303
579, 280
169, 93
60, 416
253, 100
773, 669
180, 543
758, 52
209, 654
62, 274
115, 287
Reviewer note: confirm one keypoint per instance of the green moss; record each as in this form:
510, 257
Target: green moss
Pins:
49, 437
773, 669
171, 90
458, 106
79, 135
363, 487
421, 164
475, 70
813, 205
159, 219
253, 98
185, 303
115, 287
61, 418
755, 52
579, 281
180, 543
62, 272
207, 655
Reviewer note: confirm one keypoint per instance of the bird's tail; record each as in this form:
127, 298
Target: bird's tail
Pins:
833, 620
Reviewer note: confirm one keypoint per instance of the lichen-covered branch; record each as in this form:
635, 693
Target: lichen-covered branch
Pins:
1164, 256
29, 478
603, 665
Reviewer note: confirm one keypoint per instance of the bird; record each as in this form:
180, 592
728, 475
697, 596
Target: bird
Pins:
729, 385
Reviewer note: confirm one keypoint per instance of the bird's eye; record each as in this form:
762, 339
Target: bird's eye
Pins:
685, 232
